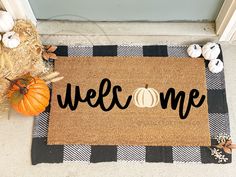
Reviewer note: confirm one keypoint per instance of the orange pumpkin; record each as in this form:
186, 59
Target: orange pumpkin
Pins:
29, 95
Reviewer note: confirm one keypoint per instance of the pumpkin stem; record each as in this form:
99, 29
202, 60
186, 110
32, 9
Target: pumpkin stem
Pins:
146, 86
23, 90
212, 47
29, 77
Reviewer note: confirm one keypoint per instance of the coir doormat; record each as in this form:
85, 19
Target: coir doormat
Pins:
217, 114
129, 101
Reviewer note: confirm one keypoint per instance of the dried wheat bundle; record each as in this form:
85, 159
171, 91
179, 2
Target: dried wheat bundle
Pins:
52, 77
27, 57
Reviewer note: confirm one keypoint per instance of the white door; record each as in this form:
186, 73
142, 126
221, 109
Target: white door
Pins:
127, 10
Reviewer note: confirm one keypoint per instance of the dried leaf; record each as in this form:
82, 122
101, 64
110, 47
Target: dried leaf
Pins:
38, 49
228, 142
52, 48
48, 52
52, 56
46, 47
227, 150
45, 55
232, 146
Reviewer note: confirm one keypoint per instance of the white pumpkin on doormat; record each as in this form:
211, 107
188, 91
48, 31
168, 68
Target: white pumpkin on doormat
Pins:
216, 66
210, 51
145, 97
194, 51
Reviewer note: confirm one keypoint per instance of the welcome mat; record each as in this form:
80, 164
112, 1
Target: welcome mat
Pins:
217, 113
98, 97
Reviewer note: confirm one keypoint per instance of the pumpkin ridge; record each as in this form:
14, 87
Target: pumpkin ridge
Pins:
134, 96
33, 96
139, 92
135, 100
156, 96
43, 95
18, 107
150, 92
31, 110
143, 97
37, 86
21, 106
41, 107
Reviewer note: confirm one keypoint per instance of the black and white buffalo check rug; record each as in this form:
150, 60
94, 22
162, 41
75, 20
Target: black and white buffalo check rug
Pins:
217, 109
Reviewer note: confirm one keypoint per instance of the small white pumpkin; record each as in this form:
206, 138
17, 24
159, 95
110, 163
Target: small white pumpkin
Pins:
216, 66
6, 22
194, 50
210, 51
145, 97
11, 39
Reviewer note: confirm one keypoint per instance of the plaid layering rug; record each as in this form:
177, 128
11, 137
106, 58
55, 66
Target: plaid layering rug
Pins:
217, 111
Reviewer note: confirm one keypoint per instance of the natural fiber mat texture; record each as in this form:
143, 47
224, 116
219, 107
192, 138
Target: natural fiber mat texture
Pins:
217, 117
133, 125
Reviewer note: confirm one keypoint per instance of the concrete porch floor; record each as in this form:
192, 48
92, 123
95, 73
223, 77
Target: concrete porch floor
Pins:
16, 136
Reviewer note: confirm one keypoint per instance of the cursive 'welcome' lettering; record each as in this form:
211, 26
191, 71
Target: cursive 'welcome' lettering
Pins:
104, 90
179, 99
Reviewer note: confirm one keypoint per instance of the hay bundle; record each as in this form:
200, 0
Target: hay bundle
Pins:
27, 57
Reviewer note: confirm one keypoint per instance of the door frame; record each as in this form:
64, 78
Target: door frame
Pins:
226, 21
1, 5
19, 9
225, 24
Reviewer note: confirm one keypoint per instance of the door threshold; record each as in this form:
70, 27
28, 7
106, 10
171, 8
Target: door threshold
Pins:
107, 33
